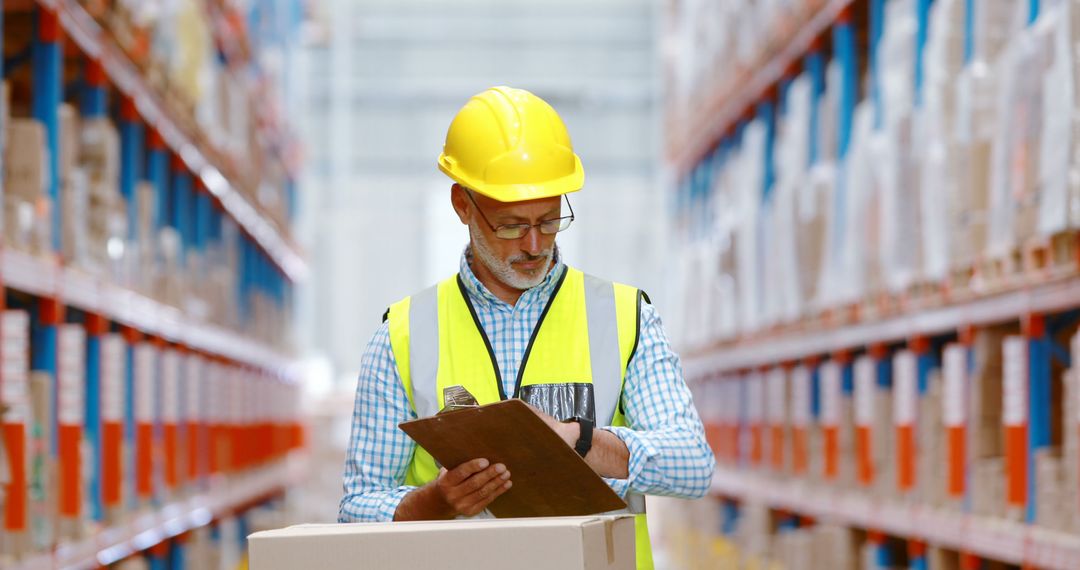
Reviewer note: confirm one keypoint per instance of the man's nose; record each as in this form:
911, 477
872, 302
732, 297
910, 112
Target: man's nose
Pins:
530, 242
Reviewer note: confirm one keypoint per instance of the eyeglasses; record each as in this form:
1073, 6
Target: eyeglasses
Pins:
518, 231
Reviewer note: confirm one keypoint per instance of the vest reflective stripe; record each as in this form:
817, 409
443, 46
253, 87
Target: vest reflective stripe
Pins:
586, 336
606, 361
424, 350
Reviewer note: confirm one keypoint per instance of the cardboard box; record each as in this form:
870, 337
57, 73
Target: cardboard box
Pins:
559, 543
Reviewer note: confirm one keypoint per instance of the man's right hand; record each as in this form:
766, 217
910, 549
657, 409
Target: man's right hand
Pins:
464, 490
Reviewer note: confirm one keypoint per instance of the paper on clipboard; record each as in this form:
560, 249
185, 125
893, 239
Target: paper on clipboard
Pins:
550, 479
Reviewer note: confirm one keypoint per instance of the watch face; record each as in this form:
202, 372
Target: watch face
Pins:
561, 401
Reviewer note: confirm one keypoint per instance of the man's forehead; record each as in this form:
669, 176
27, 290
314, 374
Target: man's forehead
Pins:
521, 209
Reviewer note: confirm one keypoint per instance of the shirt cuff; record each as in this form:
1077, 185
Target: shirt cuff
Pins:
641, 452
389, 503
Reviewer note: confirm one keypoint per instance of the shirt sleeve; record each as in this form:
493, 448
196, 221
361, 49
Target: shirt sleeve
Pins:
664, 434
379, 452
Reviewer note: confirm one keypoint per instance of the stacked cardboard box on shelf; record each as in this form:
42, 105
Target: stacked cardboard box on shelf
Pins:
1053, 507
17, 425
872, 455
931, 458
778, 403
74, 192
986, 445
1071, 437
99, 155
754, 535
834, 547
43, 476
27, 217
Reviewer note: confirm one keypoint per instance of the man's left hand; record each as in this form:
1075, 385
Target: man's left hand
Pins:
568, 431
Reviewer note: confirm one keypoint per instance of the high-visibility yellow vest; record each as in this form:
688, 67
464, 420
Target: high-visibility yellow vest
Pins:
574, 365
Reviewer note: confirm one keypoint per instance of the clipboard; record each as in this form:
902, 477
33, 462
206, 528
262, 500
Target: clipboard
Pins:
550, 478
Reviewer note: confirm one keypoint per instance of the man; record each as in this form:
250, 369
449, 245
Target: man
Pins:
518, 323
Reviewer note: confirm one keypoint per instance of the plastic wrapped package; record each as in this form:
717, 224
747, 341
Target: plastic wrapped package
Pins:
992, 24
936, 186
897, 213
725, 316
749, 181
99, 154
1014, 174
934, 148
697, 286
749, 40
769, 261
792, 158
27, 208
74, 203
1058, 118
812, 206
976, 122
686, 58
844, 275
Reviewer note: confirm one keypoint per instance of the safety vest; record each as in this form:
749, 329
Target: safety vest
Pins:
574, 365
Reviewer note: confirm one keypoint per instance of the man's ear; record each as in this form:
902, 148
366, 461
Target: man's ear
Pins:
460, 202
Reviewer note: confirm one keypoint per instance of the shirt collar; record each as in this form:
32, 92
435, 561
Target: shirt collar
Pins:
480, 294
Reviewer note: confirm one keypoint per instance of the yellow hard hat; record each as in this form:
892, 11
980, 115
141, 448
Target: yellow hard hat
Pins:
510, 145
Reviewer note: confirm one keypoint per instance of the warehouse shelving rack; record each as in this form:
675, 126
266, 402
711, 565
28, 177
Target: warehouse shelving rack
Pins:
1001, 540
94, 42
55, 288
115, 543
1034, 299
691, 139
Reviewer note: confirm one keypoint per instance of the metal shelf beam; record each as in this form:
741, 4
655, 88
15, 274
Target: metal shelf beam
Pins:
1003, 307
115, 543
1001, 540
38, 277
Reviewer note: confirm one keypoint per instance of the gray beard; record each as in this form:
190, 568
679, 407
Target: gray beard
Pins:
503, 270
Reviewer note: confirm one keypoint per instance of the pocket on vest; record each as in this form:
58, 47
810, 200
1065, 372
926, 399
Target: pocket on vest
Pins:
561, 401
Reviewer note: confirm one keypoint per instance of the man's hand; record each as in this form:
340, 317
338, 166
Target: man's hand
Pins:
470, 487
567, 431
609, 456
464, 490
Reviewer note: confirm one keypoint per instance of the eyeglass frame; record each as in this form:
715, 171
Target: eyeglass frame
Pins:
539, 226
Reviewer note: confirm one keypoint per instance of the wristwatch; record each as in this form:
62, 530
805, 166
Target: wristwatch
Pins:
584, 441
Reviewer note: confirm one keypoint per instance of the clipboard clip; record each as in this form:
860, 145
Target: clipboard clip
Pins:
458, 398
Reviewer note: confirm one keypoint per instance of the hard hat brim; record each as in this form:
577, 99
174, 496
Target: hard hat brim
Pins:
523, 192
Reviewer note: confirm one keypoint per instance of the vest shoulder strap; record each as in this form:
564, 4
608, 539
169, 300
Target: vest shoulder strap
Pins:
414, 338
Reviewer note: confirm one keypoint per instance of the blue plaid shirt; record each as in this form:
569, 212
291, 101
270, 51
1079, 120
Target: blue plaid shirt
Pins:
665, 438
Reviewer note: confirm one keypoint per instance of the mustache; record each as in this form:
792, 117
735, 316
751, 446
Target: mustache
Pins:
524, 257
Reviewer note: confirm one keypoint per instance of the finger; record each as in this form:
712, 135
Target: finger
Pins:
485, 494
489, 488
457, 493
475, 508
457, 475
478, 480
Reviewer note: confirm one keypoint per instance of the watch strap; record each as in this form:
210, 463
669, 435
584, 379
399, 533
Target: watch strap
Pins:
584, 441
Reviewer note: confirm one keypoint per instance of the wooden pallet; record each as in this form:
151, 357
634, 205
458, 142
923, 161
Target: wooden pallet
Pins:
926, 294
958, 284
842, 315
1051, 257
1035, 261
997, 273
880, 305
